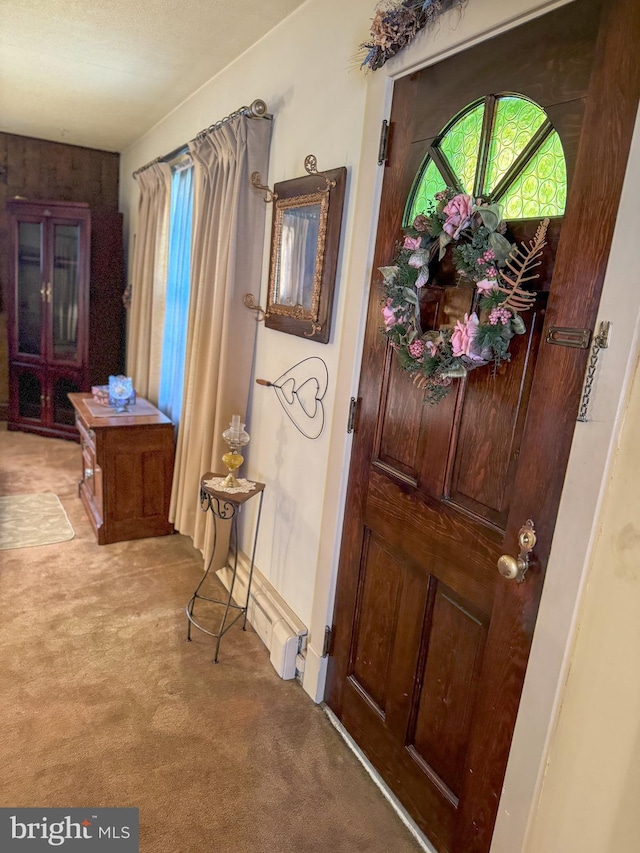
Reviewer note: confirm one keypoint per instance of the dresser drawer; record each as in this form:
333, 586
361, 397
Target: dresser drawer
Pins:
90, 485
87, 435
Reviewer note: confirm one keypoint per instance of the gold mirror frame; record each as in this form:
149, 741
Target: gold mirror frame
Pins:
275, 305
327, 190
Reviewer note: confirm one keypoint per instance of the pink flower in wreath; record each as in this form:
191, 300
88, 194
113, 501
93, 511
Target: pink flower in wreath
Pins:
416, 349
486, 285
463, 335
500, 316
432, 348
458, 212
412, 243
389, 314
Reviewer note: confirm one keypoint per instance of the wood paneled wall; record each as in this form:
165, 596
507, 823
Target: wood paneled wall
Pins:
38, 169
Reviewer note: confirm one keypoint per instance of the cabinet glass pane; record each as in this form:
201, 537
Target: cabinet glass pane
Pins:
29, 396
64, 308
63, 412
29, 297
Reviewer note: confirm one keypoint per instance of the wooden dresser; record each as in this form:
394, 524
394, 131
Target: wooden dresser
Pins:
127, 469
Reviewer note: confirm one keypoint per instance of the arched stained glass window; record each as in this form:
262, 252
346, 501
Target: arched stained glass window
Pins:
502, 148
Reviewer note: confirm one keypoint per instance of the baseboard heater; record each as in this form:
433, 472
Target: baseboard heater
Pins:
274, 622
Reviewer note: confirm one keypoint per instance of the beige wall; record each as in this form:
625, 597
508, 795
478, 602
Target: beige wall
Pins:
591, 789
323, 105
306, 72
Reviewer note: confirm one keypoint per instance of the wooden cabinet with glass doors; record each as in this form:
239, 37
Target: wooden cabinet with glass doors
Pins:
66, 313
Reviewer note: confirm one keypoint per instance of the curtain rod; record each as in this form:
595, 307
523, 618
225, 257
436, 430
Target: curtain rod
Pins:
257, 109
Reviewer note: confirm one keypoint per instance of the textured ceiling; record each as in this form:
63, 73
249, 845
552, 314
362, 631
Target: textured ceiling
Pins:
100, 74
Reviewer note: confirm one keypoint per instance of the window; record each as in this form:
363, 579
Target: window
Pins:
502, 148
174, 339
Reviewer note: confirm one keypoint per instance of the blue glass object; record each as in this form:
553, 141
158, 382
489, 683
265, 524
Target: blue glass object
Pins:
121, 393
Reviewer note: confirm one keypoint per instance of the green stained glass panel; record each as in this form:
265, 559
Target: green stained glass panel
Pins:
541, 188
431, 183
460, 146
515, 122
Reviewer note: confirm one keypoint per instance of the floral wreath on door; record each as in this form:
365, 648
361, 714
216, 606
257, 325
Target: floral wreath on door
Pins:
474, 232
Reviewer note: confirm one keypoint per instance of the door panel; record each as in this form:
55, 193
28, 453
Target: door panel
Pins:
61, 383
454, 644
492, 414
29, 394
375, 627
399, 425
430, 642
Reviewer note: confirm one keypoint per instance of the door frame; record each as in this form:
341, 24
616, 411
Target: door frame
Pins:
589, 462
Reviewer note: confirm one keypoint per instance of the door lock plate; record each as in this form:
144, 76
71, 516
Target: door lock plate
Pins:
515, 568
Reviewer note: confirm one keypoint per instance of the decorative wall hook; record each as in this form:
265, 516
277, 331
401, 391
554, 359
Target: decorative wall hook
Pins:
256, 182
311, 168
249, 301
300, 391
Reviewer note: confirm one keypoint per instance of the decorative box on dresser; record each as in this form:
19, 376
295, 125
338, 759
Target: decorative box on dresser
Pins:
127, 469
66, 316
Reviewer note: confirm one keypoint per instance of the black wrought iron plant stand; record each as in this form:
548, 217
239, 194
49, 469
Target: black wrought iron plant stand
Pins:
225, 506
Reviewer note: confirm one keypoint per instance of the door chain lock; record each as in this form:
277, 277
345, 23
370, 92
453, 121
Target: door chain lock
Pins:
600, 342
515, 568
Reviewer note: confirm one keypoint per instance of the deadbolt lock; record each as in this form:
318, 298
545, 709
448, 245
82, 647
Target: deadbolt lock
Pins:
515, 568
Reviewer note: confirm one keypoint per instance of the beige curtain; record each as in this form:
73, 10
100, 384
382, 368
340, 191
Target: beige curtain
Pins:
227, 248
149, 280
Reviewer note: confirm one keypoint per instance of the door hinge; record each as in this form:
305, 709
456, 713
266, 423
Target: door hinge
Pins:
384, 143
353, 411
326, 646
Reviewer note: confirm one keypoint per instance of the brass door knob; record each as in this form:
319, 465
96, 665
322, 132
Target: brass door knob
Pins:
510, 567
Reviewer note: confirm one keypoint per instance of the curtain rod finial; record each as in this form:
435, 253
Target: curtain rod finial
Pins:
258, 108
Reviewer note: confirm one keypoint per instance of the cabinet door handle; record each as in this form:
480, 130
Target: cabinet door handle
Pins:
88, 473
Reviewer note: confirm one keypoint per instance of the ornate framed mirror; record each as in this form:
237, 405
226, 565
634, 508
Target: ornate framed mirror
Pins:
305, 241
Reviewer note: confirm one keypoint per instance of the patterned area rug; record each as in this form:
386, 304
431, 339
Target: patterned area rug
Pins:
28, 520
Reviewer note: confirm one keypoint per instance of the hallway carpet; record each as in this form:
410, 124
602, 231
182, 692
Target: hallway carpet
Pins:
104, 703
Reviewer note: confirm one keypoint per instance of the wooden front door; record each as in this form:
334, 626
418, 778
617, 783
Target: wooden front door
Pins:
430, 643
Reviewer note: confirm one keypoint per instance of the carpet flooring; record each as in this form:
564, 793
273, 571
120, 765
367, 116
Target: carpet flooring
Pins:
104, 703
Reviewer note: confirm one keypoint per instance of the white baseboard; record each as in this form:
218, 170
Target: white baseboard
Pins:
274, 622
